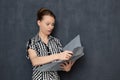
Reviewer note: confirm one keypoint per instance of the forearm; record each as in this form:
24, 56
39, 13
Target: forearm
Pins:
44, 59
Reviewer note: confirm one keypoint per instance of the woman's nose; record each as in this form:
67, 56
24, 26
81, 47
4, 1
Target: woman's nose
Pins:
51, 27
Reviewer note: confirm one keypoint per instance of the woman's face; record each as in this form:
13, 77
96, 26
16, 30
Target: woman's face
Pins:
46, 24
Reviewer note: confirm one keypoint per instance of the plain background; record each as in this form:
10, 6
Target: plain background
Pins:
97, 22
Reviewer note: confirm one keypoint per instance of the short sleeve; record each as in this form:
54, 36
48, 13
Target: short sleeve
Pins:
30, 45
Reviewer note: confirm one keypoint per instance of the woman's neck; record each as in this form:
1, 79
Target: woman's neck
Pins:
43, 37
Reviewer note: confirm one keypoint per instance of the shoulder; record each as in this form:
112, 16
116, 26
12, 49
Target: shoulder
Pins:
31, 40
55, 38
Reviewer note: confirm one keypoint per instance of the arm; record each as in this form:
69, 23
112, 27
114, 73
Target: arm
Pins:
36, 60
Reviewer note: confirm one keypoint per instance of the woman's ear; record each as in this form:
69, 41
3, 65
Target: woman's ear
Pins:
38, 22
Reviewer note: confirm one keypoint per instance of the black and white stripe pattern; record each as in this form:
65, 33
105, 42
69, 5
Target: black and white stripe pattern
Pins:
40, 47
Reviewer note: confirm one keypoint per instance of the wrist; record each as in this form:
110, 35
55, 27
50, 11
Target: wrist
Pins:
56, 56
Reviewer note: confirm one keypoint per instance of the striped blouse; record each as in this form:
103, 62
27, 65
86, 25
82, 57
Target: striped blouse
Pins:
52, 47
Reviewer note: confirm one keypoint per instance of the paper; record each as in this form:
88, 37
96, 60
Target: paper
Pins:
75, 46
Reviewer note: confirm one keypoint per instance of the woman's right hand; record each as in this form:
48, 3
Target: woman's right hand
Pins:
66, 55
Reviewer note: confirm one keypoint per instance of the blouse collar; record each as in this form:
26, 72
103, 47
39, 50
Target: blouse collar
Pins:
37, 38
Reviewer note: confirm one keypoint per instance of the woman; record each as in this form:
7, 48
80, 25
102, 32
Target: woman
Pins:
44, 48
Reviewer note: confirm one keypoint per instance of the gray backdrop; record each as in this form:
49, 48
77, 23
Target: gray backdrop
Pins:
97, 22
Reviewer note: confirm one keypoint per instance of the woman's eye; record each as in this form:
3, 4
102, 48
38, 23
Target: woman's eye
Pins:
47, 24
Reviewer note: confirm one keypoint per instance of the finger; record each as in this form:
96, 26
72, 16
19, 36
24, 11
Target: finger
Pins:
69, 52
62, 64
69, 55
66, 63
61, 67
70, 62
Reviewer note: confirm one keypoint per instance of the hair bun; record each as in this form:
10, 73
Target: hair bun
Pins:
43, 9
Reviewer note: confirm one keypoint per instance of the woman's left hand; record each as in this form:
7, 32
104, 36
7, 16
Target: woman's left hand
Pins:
66, 66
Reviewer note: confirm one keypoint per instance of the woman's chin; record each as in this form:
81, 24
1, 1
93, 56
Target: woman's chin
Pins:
48, 33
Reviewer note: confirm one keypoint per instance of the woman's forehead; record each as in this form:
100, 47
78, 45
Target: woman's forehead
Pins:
48, 18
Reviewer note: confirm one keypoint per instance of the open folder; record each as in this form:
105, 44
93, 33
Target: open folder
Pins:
75, 46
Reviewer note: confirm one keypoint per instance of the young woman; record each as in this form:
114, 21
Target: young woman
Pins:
44, 48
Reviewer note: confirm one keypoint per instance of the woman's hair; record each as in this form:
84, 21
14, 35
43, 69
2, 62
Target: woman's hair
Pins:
44, 11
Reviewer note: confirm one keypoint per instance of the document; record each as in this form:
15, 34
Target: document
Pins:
75, 46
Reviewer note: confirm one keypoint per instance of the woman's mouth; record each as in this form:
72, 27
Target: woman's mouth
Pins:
49, 30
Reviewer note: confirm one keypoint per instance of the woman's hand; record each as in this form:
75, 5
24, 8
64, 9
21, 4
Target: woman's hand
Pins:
66, 66
66, 55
